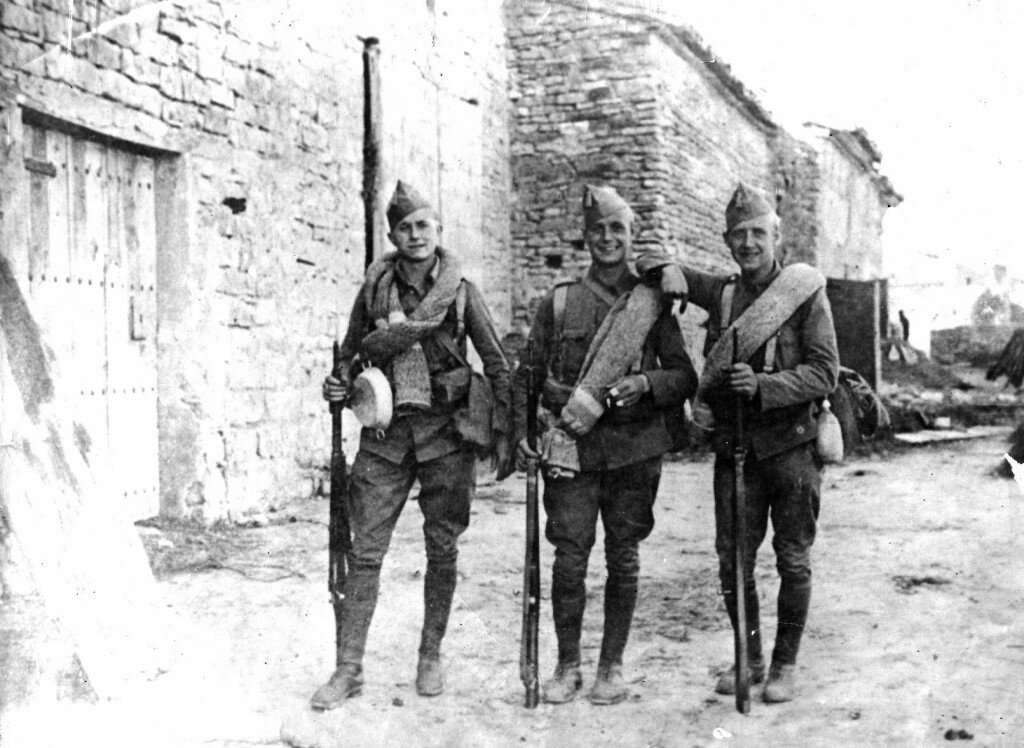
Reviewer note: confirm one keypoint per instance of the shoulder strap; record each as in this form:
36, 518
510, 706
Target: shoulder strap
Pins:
725, 310
444, 338
769, 353
728, 293
460, 311
558, 300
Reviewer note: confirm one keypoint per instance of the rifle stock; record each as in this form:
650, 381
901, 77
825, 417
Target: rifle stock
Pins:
339, 541
529, 671
739, 535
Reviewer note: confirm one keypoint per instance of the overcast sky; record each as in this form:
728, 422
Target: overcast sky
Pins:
936, 84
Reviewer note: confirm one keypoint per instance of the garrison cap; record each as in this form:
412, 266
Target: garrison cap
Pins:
406, 200
747, 203
603, 202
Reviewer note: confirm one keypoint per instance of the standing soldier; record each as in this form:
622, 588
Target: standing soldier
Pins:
586, 357
788, 363
410, 319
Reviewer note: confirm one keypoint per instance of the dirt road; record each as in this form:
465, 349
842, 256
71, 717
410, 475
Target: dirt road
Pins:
915, 635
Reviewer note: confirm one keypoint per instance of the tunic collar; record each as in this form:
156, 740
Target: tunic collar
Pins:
757, 288
428, 279
625, 282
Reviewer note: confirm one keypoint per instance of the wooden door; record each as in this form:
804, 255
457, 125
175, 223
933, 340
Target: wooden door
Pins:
91, 283
855, 309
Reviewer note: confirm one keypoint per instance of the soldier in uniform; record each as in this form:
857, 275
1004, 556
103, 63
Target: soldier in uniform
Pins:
619, 458
408, 319
782, 384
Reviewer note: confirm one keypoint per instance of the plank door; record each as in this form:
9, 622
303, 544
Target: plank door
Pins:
92, 289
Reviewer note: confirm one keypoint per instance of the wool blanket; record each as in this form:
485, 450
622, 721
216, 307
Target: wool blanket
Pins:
395, 344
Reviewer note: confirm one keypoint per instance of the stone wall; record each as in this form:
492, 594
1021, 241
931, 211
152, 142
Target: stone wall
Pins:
584, 110
262, 102
605, 92
849, 216
708, 144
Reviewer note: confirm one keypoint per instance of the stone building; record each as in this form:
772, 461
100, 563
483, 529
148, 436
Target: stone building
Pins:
181, 196
602, 92
180, 201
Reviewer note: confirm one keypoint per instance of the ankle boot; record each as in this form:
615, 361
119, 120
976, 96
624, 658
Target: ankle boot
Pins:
346, 682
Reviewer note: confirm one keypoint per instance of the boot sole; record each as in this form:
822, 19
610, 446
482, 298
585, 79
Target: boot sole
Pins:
326, 706
609, 702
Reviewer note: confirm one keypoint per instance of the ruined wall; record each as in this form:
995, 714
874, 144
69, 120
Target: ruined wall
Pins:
708, 144
797, 180
849, 217
584, 110
263, 101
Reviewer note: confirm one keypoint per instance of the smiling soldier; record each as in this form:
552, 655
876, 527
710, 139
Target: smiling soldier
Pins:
411, 319
788, 363
609, 359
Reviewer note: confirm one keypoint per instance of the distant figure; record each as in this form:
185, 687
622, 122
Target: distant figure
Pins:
905, 323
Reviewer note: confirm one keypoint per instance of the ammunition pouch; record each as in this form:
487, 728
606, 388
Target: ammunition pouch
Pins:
450, 388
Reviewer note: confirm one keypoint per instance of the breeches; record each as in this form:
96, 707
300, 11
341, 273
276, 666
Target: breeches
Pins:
380, 489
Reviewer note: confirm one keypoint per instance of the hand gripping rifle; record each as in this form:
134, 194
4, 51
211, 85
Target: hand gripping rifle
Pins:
339, 541
528, 666
739, 537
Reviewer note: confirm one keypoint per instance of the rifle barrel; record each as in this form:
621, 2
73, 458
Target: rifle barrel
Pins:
739, 528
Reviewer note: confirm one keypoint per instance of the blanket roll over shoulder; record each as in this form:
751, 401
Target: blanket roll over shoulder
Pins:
616, 347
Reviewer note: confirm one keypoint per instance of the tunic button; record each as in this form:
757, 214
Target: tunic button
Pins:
799, 429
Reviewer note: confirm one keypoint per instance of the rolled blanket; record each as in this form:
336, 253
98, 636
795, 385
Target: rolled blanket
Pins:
386, 342
615, 348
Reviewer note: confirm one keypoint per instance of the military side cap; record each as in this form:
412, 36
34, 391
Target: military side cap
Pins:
603, 202
404, 201
746, 204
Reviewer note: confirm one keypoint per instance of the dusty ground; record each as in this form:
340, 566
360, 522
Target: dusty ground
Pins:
915, 628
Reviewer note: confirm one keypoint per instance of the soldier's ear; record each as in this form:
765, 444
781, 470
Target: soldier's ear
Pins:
391, 238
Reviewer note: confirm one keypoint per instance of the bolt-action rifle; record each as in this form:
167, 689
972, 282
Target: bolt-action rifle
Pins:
739, 539
339, 541
528, 667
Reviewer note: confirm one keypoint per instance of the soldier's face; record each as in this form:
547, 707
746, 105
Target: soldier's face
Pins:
417, 235
610, 240
753, 244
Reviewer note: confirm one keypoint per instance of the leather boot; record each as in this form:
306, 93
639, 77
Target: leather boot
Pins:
438, 591
346, 682
727, 681
361, 590
781, 685
429, 676
620, 593
563, 686
609, 686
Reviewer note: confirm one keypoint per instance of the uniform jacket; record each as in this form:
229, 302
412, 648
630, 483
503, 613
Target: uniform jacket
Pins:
782, 413
432, 432
622, 436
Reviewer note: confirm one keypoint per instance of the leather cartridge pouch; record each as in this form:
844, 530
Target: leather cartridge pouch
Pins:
554, 395
473, 420
450, 388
